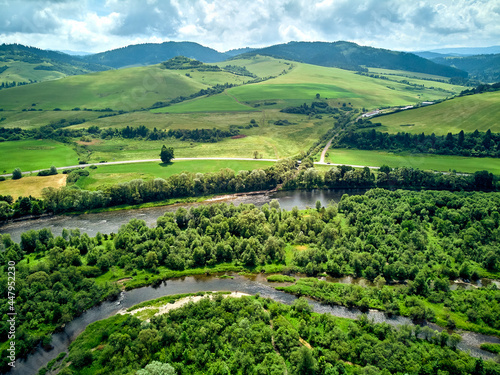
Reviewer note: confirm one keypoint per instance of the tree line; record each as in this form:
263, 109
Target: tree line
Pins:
478, 144
284, 173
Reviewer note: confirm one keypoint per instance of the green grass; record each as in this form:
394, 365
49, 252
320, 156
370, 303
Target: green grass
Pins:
296, 91
20, 71
493, 348
35, 119
113, 174
421, 161
261, 66
407, 74
468, 113
214, 103
338, 86
124, 89
35, 154
280, 279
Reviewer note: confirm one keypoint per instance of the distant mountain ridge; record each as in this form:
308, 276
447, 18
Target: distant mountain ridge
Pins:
155, 53
485, 68
19, 52
348, 55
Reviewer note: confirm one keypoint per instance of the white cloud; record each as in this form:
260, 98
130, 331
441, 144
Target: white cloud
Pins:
223, 24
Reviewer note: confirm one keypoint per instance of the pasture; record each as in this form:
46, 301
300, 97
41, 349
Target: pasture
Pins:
467, 113
442, 163
113, 174
215, 103
35, 154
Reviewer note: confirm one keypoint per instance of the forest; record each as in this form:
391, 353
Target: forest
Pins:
410, 243
254, 335
479, 144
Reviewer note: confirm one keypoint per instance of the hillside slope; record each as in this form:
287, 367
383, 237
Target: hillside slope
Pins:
351, 56
466, 113
152, 53
22, 64
485, 68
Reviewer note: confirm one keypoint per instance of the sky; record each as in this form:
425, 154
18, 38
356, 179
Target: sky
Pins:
96, 26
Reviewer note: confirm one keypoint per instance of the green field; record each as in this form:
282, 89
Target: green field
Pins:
35, 154
21, 71
113, 174
421, 161
304, 81
468, 113
261, 66
123, 89
270, 140
36, 119
214, 103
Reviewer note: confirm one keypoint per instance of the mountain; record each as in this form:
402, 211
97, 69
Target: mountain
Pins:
351, 56
467, 51
239, 51
154, 53
485, 68
76, 53
22, 64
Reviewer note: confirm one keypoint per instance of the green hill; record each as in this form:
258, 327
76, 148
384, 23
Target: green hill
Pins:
154, 53
485, 68
466, 113
351, 56
124, 89
20, 64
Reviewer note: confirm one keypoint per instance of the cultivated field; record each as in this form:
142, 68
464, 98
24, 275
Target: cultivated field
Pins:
468, 113
443, 163
32, 185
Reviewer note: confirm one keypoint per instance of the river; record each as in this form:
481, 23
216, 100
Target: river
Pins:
247, 284
108, 222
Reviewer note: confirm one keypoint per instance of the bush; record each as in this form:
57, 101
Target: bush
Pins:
17, 174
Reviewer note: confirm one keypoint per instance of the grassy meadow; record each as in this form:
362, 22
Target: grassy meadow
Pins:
467, 113
214, 103
113, 174
35, 154
442, 163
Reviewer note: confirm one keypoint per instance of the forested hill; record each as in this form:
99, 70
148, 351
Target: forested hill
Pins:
11, 54
153, 53
485, 68
349, 55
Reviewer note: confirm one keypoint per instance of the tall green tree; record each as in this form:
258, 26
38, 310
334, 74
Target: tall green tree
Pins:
166, 154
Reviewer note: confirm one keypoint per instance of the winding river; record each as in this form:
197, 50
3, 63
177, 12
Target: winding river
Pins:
111, 221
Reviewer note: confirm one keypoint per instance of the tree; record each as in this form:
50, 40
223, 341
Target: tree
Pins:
157, 368
166, 154
53, 170
17, 174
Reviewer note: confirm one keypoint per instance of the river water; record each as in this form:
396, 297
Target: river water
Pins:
108, 222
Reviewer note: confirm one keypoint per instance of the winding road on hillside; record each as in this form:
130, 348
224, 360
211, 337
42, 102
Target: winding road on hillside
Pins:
321, 162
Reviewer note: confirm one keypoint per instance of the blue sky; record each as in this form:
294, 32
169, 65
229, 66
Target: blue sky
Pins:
94, 26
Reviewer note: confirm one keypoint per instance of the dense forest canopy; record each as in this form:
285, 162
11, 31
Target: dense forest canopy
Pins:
422, 238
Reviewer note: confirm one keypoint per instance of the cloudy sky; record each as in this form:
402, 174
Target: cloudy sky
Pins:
94, 26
